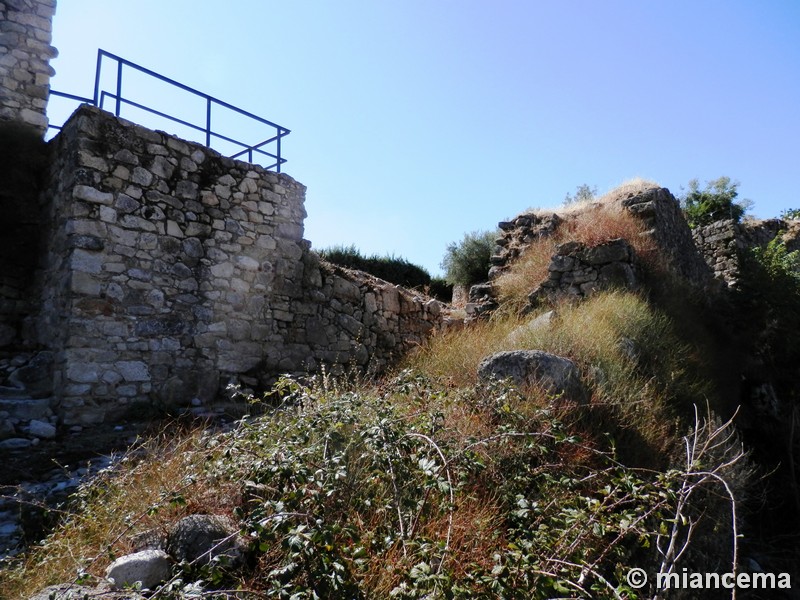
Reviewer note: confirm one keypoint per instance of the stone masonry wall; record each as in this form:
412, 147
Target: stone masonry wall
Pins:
25, 35
722, 242
171, 270
161, 258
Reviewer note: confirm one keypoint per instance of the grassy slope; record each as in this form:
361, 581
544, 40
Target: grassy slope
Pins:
427, 484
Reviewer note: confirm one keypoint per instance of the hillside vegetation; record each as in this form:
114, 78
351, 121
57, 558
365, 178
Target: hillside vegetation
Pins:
429, 483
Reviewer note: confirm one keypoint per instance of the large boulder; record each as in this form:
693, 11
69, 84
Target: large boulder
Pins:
556, 375
148, 568
201, 538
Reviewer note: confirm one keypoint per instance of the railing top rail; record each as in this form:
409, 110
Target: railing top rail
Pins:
101, 94
101, 53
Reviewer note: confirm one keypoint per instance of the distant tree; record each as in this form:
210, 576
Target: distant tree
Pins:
790, 214
717, 201
467, 262
583, 193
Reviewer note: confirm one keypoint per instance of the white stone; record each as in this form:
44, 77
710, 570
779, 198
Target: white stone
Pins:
90, 194
148, 567
133, 370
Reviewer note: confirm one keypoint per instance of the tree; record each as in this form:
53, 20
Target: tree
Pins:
790, 214
467, 262
717, 201
583, 193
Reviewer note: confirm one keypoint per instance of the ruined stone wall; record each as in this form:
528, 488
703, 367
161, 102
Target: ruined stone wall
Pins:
171, 270
25, 35
670, 232
722, 242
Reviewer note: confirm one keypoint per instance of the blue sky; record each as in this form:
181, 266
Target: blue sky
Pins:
416, 121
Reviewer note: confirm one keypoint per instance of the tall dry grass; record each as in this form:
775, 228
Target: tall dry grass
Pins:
155, 484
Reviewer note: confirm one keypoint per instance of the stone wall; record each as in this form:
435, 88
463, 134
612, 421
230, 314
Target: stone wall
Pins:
25, 35
661, 213
170, 271
722, 242
577, 271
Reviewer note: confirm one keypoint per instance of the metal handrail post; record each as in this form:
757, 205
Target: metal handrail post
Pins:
278, 162
208, 122
119, 87
97, 78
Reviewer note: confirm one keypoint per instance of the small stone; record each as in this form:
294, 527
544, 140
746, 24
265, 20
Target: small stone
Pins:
42, 430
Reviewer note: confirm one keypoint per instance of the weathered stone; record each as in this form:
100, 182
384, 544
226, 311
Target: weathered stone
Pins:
558, 376
42, 430
147, 568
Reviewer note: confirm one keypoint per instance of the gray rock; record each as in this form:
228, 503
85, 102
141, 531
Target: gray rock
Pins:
15, 444
42, 430
71, 591
201, 538
148, 567
558, 376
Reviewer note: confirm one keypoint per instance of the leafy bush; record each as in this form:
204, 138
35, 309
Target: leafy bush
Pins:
717, 201
467, 262
394, 269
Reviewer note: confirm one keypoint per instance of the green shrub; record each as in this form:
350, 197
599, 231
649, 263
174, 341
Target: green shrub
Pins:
715, 202
394, 269
467, 262
790, 214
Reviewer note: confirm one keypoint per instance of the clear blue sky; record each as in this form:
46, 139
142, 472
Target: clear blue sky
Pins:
416, 121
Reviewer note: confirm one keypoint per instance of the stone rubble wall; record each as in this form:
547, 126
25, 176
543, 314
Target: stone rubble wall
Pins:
577, 271
352, 319
171, 270
25, 51
722, 242
667, 227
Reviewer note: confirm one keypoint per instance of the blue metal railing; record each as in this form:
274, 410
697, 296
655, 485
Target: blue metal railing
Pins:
272, 143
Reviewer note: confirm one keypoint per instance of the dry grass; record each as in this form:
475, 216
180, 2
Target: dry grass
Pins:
635, 363
453, 356
153, 486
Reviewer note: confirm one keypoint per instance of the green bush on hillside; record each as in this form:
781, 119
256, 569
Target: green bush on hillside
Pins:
467, 262
394, 269
717, 201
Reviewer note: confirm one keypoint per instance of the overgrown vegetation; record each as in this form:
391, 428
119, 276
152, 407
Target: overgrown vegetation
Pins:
394, 269
411, 490
467, 262
430, 484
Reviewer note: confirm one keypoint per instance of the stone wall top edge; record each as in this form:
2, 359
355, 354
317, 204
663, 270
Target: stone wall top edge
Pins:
95, 114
